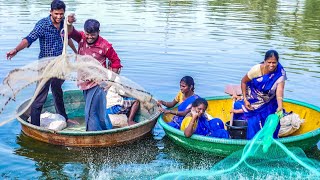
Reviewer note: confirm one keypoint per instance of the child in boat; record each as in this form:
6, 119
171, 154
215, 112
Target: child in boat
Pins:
184, 98
197, 122
238, 112
118, 103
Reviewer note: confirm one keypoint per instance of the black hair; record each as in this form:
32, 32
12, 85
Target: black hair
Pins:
57, 4
91, 26
271, 53
200, 101
189, 81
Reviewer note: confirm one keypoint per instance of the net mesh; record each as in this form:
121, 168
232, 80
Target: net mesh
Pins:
70, 67
262, 158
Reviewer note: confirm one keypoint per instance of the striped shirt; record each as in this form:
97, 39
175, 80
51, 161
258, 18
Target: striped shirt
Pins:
51, 42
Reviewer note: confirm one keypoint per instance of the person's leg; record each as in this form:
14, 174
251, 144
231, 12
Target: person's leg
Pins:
132, 112
95, 110
36, 106
87, 103
57, 93
101, 108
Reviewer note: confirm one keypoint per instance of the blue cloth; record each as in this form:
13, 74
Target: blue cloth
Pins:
212, 128
95, 109
261, 86
50, 38
117, 109
177, 120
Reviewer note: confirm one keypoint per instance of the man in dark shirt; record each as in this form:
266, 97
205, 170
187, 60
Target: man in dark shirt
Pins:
48, 31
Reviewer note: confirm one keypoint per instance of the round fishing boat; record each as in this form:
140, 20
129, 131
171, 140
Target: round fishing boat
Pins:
75, 135
305, 137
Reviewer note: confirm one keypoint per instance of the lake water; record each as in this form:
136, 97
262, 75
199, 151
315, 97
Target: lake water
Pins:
159, 42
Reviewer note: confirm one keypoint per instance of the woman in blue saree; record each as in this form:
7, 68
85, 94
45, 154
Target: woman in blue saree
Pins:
197, 122
184, 98
262, 88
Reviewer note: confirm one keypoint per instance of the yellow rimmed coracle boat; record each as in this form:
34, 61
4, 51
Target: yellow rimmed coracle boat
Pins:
306, 137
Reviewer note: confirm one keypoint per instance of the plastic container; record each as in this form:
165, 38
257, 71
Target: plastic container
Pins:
238, 130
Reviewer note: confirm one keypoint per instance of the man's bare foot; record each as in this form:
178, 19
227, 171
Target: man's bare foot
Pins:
131, 123
71, 121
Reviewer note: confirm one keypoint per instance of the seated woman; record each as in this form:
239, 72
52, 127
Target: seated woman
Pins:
196, 122
185, 97
118, 103
262, 88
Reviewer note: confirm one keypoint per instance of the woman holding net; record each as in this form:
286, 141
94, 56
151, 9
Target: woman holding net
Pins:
262, 88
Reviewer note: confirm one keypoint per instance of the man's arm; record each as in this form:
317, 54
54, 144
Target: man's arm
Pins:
72, 46
74, 34
115, 63
23, 44
27, 41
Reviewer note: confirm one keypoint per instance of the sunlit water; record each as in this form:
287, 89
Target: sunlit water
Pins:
159, 42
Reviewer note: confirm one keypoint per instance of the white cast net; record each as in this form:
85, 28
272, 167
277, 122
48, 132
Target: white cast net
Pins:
70, 67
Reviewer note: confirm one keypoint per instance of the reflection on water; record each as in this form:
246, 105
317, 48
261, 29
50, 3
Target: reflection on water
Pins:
55, 161
159, 42
144, 159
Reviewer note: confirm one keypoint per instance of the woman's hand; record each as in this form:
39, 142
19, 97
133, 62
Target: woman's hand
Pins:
195, 114
279, 109
165, 111
160, 103
247, 104
161, 109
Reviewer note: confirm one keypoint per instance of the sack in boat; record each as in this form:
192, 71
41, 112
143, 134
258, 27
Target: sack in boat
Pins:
289, 124
52, 121
118, 120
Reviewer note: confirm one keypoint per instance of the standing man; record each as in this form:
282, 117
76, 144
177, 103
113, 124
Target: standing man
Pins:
90, 43
47, 30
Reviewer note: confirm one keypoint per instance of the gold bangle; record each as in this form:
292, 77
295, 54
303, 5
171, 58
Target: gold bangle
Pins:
280, 98
176, 113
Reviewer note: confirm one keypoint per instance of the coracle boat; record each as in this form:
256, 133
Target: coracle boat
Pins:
305, 137
75, 135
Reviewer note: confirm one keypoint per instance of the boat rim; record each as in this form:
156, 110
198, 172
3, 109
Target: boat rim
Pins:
244, 141
90, 133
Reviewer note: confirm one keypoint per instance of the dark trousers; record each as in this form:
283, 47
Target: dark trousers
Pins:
36, 106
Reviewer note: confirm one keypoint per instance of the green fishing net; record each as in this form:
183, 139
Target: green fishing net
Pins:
262, 158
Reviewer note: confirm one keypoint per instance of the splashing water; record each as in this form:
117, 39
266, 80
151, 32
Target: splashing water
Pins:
263, 157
